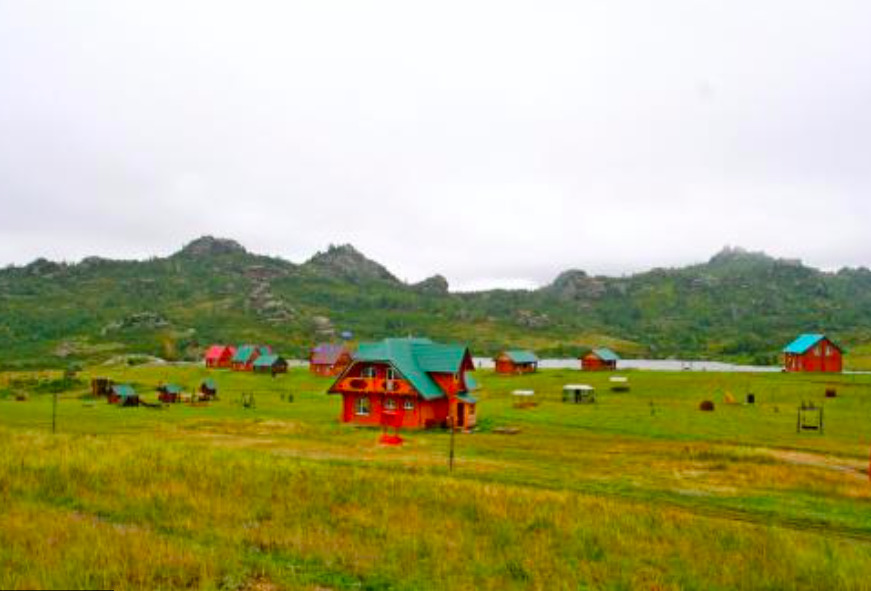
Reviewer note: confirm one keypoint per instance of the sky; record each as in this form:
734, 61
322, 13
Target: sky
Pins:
497, 143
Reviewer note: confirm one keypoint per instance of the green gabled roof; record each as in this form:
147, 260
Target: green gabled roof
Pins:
244, 354
467, 399
807, 341
266, 360
415, 359
605, 354
210, 384
124, 390
172, 388
521, 356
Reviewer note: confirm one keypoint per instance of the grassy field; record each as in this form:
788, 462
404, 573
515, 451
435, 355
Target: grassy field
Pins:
639, 491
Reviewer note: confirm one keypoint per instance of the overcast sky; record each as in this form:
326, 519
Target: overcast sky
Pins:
496, 143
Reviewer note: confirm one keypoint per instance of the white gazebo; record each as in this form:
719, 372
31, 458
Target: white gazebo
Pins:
579, 393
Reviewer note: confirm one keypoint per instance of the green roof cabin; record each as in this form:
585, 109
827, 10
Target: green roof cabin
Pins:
273, 364
409, 383
246, 355
516, 361
813, 353
601, 359
169, 393
123, 395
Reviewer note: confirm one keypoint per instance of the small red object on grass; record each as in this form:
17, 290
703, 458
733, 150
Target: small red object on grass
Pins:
386, 439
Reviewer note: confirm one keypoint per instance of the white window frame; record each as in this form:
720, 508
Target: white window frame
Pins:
408, 404
390, 374
369, 371
363, 406
390, 404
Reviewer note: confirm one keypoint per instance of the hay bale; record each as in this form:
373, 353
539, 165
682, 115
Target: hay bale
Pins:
706, 405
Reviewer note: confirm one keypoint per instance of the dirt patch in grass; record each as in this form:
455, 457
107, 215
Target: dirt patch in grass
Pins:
858, 468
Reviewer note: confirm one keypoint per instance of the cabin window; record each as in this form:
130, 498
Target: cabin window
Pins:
390, 404
368, 371
391, 373
408, 404
362, 406
470, 409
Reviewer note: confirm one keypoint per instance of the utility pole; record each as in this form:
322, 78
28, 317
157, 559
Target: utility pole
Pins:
451, 456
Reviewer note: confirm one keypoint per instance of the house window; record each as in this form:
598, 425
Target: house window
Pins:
470, 408
368, 371
390, 404
408, 404
362, 406
391, 373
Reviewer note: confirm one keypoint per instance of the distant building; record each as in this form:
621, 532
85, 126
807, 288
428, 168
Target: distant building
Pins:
169, 393
123, 395
270, 364
220, 356
246, 355
601, 359
412, 383
329, 360
516, 362
208, 389
813, 352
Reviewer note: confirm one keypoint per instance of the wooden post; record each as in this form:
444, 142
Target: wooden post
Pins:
451, 456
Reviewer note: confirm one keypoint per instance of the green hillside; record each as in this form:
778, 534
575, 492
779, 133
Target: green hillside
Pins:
739, 305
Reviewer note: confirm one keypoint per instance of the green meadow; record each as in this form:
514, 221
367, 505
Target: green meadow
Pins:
641, 490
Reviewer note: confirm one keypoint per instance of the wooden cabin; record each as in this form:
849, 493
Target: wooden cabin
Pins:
516, 362
410, 383
169, 393
329, 360
101, 387
246, 355
220, 356
601, 359
123, 395
813, 353
273, 364
208, 389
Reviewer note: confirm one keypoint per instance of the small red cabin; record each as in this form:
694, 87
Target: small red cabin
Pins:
411, 383
601, 359
329, 360
516, 362
813, 352
220, 356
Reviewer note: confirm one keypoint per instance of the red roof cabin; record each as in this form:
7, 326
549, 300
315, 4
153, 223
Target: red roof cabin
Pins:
329, 360
246, 355
220, 356
813, 353
408, 383
601, 359
516, 362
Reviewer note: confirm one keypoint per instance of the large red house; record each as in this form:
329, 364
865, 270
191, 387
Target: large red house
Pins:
412, 383
813, 352
220, 356
329, 360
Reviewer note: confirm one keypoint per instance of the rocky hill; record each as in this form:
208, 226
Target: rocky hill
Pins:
738, 305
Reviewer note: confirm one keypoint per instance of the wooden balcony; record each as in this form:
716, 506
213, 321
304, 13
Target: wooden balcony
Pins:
374, 386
